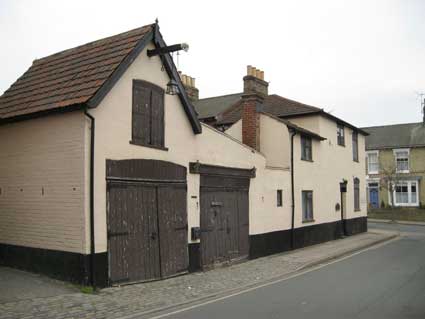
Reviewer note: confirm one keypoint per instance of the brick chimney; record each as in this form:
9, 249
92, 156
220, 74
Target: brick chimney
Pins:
189, 85
255, 89
253, 82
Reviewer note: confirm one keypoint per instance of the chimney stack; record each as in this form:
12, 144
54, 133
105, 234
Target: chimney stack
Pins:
253, 82
189, 85
255, 89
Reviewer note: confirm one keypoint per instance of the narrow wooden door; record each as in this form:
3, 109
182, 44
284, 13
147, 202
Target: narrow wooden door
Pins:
133, 237
144, 234
172, 217
118, 233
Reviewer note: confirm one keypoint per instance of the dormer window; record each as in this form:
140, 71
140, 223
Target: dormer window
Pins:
340, 135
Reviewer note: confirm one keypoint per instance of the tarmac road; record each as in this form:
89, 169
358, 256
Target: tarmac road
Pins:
387, 281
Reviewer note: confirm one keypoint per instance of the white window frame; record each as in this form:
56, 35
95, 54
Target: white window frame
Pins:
409, 193
398, 150
369, 171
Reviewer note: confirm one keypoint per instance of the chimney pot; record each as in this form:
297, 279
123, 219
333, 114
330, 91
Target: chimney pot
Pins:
249, 70
258, 73
189, 85
254, 82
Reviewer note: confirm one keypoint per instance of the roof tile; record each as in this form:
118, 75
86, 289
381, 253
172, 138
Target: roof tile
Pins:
273, 104
69, 77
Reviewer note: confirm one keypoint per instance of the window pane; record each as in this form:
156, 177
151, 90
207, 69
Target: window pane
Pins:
413, 194
402, 164
356, 194
355, 147
306, 148
340, 134
397, 197
402, 160
402, 193
307, 205
279, 197
373, 165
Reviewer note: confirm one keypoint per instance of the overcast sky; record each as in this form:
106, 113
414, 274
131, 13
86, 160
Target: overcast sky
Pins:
362, 60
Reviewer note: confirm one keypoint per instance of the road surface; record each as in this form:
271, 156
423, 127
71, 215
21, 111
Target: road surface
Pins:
384, 282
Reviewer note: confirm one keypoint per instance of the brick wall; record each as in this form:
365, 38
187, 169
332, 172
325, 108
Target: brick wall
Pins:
250, 122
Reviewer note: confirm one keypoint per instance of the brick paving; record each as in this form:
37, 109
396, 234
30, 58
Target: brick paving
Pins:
127, 300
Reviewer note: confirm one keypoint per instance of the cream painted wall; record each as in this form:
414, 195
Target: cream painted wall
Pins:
113, 133
275, 142
42, 181
331, 164
311, 123
235, 130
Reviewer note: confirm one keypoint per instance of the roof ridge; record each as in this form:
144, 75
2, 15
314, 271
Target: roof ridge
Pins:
214, 97
40, 60
398, 124
282, 97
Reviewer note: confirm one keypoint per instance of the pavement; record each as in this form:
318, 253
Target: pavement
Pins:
383, 282
401, 222
21, 285
149, 298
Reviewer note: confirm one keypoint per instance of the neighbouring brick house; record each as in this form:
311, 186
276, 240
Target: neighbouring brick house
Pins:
107, 176
397, 153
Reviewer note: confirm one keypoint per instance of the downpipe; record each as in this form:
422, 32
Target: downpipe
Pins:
293, 133
92, 236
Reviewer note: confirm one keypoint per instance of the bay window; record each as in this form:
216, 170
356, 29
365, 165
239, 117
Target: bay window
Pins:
406, 193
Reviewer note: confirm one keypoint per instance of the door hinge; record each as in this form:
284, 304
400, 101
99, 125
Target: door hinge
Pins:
124, 233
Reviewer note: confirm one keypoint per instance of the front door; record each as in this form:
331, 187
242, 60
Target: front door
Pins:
374, 197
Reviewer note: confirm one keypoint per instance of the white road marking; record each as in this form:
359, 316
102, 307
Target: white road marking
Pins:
272, 282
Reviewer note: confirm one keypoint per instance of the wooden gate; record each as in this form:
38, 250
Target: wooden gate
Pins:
224, 197
147, 220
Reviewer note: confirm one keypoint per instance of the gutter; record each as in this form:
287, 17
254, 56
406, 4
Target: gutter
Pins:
92, 237
293, 133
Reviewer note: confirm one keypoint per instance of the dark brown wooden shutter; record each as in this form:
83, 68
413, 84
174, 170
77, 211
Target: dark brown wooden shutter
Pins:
141, 113
148, 114
157, 121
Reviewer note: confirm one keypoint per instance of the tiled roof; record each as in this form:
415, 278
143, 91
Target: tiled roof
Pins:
273, 104
395, 136
70, 77
210, 107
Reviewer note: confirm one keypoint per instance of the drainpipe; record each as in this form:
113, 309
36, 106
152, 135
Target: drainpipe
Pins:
293, 133
92, 243
343, 189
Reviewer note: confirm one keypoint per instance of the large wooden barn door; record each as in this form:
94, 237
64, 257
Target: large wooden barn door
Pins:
133, 227
224, 213
147, 220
